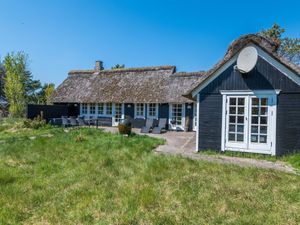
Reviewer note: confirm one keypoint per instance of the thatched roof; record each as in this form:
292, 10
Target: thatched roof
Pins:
132, 85
267, 45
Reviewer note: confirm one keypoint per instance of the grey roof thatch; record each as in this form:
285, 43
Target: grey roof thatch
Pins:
267, 45
132, 85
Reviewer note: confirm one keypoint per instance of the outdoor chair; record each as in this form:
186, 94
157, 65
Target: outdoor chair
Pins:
65, 122
81, 122
148, 127
161, 126
73, 122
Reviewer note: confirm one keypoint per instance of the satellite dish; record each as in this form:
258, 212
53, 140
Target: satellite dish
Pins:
247, 59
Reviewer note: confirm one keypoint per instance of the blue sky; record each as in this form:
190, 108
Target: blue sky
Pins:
62, 35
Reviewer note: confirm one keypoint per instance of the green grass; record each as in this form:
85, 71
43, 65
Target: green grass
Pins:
292, 159
112, 179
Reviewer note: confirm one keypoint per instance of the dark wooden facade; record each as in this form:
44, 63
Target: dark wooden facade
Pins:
263, 77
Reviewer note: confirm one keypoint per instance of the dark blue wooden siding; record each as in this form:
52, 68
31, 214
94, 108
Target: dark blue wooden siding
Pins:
163, 110
129, 111
264, 76
189, 113
210, 121
288, 124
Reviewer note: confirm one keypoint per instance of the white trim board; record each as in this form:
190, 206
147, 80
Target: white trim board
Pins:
266, 56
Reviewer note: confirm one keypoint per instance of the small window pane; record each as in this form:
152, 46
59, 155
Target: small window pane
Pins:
232, 101
108, 108
240, 137
92, 108
232, 110
240, 119
263, 120
263, 130
100, 108
231, 128
240, 128
254, 138
263, 111
241, 110
263, 139
255, 101
254, 110
232, 119
264, 101
231, 137
254, 120
254, 129
241, 101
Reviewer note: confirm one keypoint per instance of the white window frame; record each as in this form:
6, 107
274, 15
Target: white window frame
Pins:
81, 109
94, 105
272, 124
103, 110
115, 123
135, 111
172, 127
112, 109
156, 111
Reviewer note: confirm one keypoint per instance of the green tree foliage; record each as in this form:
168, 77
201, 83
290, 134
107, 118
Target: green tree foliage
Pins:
118, 66
1, 79
45, 93
14, 89
287, 47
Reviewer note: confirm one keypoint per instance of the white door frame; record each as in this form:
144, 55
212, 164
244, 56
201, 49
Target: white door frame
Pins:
272, 120
182, 116
114, 122
195, 116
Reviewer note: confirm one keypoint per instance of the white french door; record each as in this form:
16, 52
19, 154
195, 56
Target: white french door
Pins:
118, 113
177, 116
236, 120
250, 123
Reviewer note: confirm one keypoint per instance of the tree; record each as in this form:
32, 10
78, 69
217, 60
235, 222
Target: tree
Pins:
1, 79
14, 89
45, 93
287, 47
118, 66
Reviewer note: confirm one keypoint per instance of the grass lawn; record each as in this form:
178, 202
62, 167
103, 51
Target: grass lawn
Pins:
111, 179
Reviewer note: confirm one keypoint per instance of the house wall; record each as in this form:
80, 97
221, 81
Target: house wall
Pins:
129, 111
288, 123
263, 77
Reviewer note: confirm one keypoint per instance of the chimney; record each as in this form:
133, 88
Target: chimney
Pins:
99, 66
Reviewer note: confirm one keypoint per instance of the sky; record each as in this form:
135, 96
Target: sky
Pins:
62, 35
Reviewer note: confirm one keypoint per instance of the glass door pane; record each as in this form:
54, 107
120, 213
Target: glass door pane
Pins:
259, 125
118, 113
236, 119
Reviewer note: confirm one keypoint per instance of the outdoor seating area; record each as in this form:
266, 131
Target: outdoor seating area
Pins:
81, 121
153, 127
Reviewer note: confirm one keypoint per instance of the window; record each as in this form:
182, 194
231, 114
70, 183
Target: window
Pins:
109, 108
100, 108
92, 108
139, 110
84, 108
152, 110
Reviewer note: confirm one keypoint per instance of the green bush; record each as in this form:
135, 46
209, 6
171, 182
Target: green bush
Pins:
36, 123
